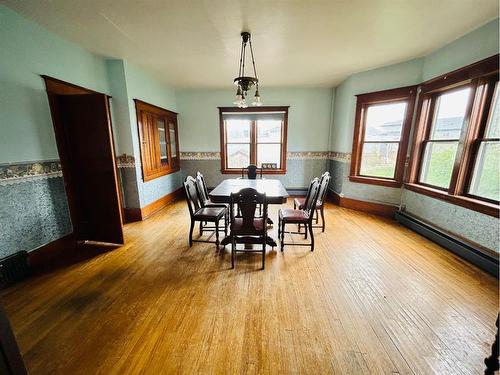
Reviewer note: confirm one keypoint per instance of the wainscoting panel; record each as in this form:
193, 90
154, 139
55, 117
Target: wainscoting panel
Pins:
33, 206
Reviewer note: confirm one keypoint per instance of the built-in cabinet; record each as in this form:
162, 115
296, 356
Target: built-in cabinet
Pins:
159, 140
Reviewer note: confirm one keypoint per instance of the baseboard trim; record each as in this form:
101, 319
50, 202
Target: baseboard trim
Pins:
139, 214
42, 258
465, 250
379, 209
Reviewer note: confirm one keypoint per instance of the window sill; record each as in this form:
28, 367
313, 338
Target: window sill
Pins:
466, 202
265, 171
375, 181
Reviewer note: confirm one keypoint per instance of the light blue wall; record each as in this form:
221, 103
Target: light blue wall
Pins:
34, 212
26, 51
479, 44
143, 86
308, 118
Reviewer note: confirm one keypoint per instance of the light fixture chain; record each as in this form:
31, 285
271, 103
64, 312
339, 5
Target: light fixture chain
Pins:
253, 61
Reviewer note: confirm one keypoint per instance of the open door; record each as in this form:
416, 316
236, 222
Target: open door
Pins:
88, 146
84, 136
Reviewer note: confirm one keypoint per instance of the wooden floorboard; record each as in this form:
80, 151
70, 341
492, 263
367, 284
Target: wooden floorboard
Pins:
374, 297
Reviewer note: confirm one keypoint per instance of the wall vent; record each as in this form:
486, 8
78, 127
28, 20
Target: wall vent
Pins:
13, 269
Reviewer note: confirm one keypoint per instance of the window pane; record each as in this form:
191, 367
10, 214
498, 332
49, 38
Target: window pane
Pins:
238, 155
449, 114
269, 153
437, 164
238, 131
269, 131
173, 145
493, 130
485, 181
379, 159
163, 141
384, 122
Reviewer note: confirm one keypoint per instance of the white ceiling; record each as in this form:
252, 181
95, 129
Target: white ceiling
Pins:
195, 43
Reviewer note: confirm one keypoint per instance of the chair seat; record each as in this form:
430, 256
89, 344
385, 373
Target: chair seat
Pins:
237, 227
300, 202
209, 203
289, 215
210, 213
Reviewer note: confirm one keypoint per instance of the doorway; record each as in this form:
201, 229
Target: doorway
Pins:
84, 137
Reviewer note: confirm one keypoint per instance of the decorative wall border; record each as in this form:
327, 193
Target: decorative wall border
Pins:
200, 155
344, 157
125, 161
17, 172
292, 155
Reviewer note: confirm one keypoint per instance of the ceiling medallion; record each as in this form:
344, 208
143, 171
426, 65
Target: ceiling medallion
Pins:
243, 82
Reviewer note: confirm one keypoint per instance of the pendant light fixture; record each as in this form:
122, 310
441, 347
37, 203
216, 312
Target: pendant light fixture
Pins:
243, 82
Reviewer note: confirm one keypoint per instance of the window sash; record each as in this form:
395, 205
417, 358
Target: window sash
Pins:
260, 114
482, 78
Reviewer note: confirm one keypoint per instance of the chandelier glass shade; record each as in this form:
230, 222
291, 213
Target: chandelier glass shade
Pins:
245, 83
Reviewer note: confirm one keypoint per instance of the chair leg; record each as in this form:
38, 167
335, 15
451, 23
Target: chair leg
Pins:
282, 240
279, 227
322, 219
312, 236
264, 254
233, 245
201, 228
317, 216
226, 221
305, 230
217, 234
191, 233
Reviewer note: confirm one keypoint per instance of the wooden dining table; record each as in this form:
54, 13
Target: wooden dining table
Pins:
274, 190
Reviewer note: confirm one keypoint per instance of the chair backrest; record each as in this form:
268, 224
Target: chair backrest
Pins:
324, 181
312, 197
202, 188
251, 172
247, 201
192, 195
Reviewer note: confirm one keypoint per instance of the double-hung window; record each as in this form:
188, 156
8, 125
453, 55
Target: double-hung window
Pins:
253, 136
456, 149
381, 135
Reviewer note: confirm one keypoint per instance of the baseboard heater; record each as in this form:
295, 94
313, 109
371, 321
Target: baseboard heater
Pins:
464, 250
13, 269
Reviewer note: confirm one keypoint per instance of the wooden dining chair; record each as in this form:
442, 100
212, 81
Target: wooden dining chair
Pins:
198, 212
302, 216
251, 172
206, 202
247, 227
320, 205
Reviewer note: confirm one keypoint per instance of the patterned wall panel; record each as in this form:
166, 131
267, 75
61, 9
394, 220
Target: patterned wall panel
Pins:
33, 205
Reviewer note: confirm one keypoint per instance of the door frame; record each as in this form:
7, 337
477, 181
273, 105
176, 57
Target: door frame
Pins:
56, 87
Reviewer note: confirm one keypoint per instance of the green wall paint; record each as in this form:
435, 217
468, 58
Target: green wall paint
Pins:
398, 75
474, 46
308, 120
29, 50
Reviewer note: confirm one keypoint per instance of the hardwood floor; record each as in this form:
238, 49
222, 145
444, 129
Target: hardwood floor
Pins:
374, 297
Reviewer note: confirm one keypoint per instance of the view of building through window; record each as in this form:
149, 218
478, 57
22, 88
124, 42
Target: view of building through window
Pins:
383, 127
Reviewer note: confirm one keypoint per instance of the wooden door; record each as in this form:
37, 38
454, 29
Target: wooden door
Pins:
88, 144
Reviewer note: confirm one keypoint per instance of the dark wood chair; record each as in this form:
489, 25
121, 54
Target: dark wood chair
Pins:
206, 202
198, 212
251, 172
299, 202
302, 216
247, 227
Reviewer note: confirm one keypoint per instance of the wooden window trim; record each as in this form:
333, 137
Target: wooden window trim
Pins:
406, 94
480, 76
253, 142
166, 115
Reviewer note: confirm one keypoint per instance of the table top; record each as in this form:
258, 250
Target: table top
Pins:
274, 189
